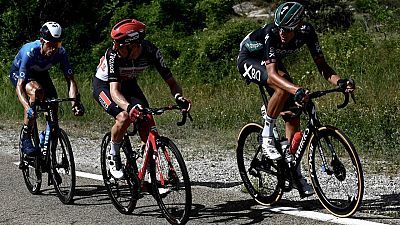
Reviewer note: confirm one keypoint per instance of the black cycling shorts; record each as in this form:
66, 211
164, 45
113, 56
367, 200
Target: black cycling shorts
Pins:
42, 77
253, 70
129, 88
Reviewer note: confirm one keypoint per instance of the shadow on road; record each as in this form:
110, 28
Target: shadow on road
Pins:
387, 205
92, 192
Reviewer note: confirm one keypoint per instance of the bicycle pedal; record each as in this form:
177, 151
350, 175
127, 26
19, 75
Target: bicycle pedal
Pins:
253, 172
23, 165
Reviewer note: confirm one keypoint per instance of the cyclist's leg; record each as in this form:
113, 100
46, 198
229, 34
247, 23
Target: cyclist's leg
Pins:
136, 96
254, 70
33, 90
101, 93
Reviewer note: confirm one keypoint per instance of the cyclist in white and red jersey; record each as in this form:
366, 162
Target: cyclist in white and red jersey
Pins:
116, 89
260, 61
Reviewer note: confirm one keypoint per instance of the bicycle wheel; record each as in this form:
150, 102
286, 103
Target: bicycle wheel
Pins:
172, 188
260, 177
30, 166
335, 171
62, 167
122, 192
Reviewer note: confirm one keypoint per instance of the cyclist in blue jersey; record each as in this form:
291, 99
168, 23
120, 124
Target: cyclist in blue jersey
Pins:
116, 89
260, 61
30, 77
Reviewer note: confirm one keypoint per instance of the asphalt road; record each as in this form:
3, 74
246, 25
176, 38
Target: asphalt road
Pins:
92, 206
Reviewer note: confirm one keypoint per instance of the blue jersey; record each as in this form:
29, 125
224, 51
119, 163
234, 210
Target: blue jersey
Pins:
29, 60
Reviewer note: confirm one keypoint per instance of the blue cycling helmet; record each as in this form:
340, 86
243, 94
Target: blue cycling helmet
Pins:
289, 15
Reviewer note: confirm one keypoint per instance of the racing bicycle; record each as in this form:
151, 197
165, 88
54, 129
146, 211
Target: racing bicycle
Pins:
54, 156
333, 163
156, 167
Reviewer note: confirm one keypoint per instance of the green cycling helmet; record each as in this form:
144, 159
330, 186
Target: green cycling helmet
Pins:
289, 15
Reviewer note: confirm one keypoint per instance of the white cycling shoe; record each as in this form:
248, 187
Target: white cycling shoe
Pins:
114, 161
269, 149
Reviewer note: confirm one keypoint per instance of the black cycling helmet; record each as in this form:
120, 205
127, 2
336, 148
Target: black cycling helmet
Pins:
51, 31
289, 15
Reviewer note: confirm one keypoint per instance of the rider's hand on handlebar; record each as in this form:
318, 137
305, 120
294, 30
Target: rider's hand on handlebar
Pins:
184, 103
78, 109
134, 112
31, 113
301, 96
347, 85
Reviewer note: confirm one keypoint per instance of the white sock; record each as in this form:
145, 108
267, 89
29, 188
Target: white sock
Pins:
115, 148
268, 131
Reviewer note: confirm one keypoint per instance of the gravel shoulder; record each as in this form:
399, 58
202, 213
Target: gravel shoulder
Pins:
213, 164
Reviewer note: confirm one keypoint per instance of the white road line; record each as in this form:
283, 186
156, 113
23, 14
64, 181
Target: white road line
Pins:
318, 216
285, 210
82, 174
89, 175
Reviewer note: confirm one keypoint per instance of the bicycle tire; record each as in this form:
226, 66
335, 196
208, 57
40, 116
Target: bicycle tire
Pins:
344, 168
30, 167
260, 177
172, 188
122, 192
62, 167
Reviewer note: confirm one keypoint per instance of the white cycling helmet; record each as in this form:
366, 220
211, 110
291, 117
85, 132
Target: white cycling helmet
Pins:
51, 31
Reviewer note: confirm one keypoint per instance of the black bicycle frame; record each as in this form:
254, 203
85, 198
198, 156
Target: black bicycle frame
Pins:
311, 128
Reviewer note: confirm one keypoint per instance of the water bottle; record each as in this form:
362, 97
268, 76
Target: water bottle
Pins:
295, 142
41, 139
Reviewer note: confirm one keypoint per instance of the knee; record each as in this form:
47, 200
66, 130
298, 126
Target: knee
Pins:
123, 118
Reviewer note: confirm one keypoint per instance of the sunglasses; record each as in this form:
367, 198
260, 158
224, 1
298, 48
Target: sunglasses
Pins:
53, 44
286, 29
126, 44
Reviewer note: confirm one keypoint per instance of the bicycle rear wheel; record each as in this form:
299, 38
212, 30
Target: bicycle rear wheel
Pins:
122, 192
335, 171
30, 166
260, 177
62, 167
172, 187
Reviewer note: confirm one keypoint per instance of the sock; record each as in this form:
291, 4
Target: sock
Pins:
268, 127
115, 148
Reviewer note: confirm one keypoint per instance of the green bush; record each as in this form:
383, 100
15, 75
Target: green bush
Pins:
215, 52
215, 12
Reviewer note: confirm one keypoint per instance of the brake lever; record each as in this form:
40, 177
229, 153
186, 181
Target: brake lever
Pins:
183, 121
353, 97
345, 102
185, 115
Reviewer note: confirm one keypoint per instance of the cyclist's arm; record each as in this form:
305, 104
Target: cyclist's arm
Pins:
174, 86
72, 87
326, 70
116, 95
279, 81
318, 56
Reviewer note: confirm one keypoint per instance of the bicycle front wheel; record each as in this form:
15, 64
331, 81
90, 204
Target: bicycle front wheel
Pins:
62, 167
122, 192
260, 177
170, 182
30, 166
335, 171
